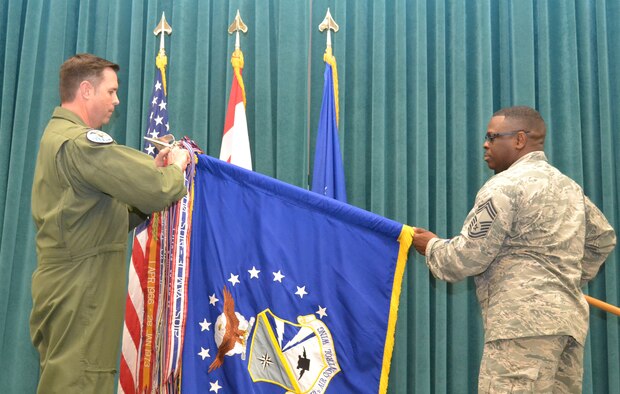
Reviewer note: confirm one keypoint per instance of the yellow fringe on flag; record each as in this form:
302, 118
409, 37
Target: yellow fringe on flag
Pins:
405, 239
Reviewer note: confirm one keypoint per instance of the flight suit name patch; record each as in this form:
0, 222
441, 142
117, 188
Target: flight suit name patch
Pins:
98, 137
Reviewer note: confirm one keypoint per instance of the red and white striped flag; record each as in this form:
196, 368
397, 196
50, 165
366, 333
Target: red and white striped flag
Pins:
235, 142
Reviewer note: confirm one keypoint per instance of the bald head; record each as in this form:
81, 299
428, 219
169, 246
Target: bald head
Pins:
527, 119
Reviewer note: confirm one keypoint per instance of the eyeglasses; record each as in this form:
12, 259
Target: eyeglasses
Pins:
492, 136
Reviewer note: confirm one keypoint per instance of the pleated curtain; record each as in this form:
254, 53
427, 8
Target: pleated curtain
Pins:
418, 80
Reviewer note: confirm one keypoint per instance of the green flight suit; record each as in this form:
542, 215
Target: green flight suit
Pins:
84, 187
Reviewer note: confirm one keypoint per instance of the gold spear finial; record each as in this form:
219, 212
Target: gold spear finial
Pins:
329, 24
237, 57
236, 27
161, 61
161, 28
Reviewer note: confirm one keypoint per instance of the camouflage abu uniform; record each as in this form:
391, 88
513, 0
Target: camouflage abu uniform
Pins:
532, 240
84, 185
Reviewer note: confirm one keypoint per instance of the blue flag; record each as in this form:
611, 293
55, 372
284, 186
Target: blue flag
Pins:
288, 290
328, 173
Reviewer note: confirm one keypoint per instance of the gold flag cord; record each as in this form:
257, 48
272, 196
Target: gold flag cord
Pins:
161, 61
237, 63
328, 57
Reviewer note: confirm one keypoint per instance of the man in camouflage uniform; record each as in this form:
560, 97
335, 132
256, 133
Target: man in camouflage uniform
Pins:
532, 240
85, 186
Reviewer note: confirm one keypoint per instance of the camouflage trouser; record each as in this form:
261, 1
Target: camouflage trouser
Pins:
546, 364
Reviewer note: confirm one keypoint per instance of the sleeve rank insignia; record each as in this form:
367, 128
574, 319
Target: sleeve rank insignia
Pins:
483, 219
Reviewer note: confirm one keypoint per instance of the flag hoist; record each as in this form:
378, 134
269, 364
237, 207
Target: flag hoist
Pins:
328, 172
235, 147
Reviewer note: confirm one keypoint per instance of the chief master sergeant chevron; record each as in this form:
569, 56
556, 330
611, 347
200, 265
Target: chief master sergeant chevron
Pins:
532, 240
86, 194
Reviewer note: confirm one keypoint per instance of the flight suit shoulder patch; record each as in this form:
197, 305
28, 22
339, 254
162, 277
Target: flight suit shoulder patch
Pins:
99, 137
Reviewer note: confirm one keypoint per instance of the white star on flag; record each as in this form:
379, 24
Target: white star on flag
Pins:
150, 150
213, 299
301, 291
154, 134
234, 279
158, 85
162, 105
277, 276
204, 353
158, 120
322, 312
254, 272
215, 386
204, 325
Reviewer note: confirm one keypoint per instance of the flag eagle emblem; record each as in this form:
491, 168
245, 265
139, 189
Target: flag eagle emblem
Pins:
232, 330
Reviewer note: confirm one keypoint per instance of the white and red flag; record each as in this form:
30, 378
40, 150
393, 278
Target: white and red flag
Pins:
236, 142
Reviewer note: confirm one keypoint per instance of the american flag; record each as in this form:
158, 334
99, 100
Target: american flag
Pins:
131, 370
158, 116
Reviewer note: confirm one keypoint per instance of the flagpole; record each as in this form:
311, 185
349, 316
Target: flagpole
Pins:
329, 24
603, 305
161, 61
235, 147
135, 375
237, 58
328, 172
236, 26
308, 96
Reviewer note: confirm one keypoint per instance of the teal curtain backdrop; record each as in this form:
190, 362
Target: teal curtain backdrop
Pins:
419, 80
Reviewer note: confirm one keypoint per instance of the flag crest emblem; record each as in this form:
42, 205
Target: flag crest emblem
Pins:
299, 357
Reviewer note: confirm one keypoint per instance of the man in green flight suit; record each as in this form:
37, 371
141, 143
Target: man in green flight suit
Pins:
87, 193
